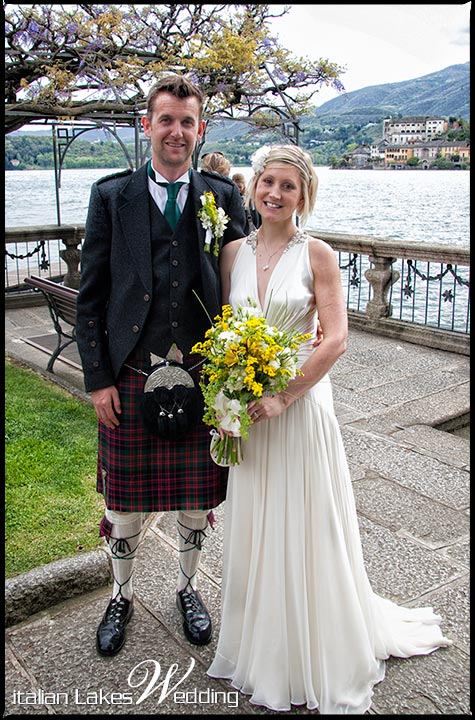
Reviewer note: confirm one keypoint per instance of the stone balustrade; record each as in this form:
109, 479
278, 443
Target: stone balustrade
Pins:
382, 254
379, 255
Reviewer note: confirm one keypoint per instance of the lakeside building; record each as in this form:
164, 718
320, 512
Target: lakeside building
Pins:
419, 137
418, 128
427, 153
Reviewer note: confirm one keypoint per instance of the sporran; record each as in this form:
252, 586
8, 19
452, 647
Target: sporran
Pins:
171, 404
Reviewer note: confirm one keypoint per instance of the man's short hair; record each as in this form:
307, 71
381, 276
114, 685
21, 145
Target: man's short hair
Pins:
177, 85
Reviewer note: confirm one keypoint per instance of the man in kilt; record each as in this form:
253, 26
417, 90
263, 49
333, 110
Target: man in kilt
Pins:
147, 292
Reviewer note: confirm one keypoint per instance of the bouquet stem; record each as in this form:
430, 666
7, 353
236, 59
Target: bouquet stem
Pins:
226, 451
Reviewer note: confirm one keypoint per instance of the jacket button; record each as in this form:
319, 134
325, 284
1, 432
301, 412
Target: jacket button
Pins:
95, 363
146, 297
174, 304
174, 263
93, 343
174, 324
135, 328
175, 243
91, 323
175, 283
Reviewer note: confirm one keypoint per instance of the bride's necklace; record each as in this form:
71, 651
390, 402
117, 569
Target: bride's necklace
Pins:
285, 247
252, 239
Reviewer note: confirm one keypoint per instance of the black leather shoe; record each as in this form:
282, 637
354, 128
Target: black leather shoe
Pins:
110, 635
196, 619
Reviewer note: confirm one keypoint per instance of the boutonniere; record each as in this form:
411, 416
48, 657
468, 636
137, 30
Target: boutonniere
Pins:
213, 220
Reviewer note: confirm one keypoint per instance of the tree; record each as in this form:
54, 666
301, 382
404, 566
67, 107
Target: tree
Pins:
459, 129
84, 61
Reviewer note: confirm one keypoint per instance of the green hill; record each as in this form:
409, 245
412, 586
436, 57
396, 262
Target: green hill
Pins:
357, 117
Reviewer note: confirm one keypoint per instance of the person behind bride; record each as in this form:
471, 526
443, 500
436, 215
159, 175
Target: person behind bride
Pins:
252, 215
216, 162
300, 623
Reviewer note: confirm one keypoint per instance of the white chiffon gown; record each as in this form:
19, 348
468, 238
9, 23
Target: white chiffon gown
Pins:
300, 623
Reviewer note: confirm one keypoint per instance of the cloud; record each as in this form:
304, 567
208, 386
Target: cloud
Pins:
377, 44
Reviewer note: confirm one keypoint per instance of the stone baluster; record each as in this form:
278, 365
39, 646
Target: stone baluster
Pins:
380, 277
72, 257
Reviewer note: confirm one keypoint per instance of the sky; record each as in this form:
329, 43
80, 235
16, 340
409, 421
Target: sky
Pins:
378, 44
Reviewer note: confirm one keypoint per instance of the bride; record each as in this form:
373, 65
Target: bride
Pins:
300, 624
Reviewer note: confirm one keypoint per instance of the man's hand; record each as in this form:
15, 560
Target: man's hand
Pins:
319, 337
106, 403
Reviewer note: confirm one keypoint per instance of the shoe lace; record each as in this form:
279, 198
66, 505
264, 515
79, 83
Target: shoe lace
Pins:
191, 602
194, 537
116, 610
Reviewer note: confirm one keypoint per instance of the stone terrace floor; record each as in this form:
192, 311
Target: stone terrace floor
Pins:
411, 484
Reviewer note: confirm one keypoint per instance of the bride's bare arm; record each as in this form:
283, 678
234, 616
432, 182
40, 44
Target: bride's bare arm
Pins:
226, 260
334, 323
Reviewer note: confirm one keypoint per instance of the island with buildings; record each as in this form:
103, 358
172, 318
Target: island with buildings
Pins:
416, 142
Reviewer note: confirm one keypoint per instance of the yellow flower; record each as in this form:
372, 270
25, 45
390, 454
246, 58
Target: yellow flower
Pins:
244, 358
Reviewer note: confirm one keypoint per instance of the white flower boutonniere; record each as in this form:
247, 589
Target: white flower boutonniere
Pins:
214, 221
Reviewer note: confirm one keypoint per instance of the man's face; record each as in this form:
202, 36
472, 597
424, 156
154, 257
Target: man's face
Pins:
174, 128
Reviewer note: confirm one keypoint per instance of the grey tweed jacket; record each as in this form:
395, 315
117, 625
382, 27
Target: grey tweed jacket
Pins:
116, 284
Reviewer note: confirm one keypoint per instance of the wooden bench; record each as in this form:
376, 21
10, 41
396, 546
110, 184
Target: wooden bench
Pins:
62, 303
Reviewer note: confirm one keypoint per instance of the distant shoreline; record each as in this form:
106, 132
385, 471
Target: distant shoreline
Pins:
393, 169
352, 169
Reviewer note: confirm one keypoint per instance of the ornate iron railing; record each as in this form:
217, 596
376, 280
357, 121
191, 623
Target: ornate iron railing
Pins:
419, 292
52, 251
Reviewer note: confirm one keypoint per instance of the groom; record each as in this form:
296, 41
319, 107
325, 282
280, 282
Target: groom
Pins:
144, 262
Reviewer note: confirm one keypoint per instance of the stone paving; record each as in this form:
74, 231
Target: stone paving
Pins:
411, 484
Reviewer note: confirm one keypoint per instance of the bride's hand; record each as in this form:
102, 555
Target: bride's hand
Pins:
266, 408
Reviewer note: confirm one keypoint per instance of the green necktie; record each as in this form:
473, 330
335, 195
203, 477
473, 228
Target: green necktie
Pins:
172, 211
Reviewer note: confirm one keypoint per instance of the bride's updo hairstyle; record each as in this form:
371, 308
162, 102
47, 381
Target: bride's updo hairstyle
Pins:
292, 155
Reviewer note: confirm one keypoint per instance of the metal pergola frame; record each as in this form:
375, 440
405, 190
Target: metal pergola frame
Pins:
67, 131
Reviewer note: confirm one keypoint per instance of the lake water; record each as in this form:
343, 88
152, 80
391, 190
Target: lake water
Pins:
413, 206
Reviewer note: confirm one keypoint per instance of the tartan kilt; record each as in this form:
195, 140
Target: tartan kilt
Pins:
140, 472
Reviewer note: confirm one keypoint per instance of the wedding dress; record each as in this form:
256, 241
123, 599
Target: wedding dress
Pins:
300, 623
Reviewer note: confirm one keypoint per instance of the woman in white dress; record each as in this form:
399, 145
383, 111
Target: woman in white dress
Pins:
300, 623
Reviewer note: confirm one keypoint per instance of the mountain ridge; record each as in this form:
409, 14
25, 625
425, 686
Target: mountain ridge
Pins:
442, 93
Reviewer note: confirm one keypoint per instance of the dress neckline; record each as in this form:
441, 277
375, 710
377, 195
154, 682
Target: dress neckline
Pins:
296, 239
251, 240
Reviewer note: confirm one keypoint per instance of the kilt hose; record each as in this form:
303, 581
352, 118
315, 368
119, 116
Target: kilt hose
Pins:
140, 472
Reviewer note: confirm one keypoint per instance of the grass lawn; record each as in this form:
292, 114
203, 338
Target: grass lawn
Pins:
52, 509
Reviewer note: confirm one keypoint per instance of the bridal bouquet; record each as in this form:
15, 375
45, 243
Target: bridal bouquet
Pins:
244, 358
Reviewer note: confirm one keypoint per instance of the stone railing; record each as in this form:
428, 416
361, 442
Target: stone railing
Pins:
431, 307
388, 293
52, 251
